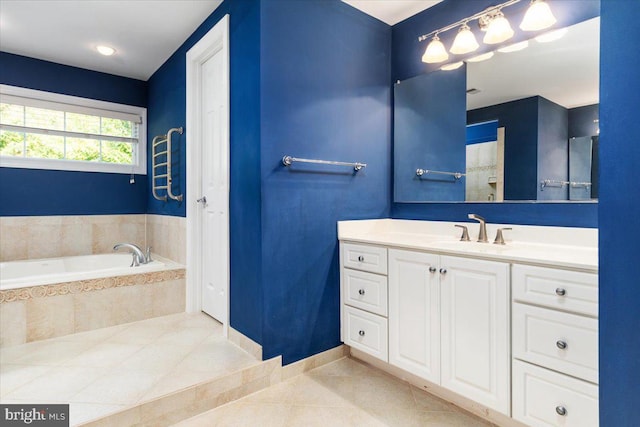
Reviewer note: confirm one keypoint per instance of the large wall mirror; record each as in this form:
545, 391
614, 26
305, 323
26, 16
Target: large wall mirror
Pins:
522, 125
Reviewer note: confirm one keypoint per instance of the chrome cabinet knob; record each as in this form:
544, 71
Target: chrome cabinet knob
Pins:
360, 258
361, 332
443, 271
560, 292
561, 410
361, 291
562, 345
432, 269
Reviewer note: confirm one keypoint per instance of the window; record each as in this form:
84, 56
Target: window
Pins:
44, 130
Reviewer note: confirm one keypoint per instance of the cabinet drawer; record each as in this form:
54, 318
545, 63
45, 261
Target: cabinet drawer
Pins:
366, 332
540, 397
365, 290
364, 257
559, 289
539, 335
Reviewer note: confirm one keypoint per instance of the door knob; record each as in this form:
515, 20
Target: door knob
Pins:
202, 200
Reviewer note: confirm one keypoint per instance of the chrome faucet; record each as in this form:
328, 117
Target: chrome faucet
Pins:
482, 235
138, 256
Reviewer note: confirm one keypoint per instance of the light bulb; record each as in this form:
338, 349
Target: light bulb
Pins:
464, 42
499, 30
482, 57
514, 47
435, 52
453, 66
538, 17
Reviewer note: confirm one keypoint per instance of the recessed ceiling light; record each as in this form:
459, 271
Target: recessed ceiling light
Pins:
482, 57
105, 50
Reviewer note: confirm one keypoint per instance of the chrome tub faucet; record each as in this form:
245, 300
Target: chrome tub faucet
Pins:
138, 256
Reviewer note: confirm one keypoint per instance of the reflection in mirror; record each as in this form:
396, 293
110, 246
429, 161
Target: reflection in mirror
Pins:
537, 99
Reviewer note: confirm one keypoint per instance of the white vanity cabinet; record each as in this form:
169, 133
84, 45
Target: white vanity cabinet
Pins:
555, 347
363, 295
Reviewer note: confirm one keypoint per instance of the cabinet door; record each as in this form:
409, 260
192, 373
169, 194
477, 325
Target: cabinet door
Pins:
414, 313
475, 330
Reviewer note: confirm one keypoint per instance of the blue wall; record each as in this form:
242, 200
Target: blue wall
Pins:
553, 149
325, 94
167, 109
619, 210
26, 192
581, 120
430, 134
520, 120
406, 62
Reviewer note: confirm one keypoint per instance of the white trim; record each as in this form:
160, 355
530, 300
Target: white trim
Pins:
215, 40
85, 106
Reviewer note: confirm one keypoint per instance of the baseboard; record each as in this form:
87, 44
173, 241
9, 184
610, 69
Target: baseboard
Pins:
245, 343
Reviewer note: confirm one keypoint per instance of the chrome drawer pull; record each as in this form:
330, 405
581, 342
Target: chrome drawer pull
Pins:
560, 292
562, 345
561, 410
360, 258
361, 333
361, 291
432, 269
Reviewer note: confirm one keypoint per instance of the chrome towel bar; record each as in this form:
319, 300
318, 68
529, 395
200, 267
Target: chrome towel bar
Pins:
559, 184
456, 175
288, 160
161, 158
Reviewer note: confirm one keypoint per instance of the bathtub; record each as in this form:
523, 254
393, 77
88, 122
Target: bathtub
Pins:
20, 274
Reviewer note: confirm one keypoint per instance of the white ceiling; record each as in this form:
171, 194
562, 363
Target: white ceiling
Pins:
566, 71
144, 32
392, 11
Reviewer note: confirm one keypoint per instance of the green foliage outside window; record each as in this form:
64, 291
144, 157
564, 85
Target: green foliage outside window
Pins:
43, 146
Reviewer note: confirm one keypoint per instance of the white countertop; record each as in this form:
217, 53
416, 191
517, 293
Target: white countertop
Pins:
566, 247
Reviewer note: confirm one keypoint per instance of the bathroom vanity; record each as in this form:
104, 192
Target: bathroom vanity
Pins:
510, 332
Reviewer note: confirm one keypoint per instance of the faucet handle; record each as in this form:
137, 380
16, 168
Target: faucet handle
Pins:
148, 254
499, 240
465, 233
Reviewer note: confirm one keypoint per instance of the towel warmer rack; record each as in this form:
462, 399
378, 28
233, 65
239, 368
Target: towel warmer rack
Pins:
161, 165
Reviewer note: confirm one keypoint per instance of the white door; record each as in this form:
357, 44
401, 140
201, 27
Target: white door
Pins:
414, 313
475, 330
215, 188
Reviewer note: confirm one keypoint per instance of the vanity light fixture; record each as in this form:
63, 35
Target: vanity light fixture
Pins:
499, 29
105, 50
514, 47
551, 35
465, 41
538, 16
494, 22
480, 58
452, 66
435, 51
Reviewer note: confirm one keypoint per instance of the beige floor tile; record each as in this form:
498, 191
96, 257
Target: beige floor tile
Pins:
82, 412
428, 402
49, 352
322, 391
347, 367
181, 336
118, 387
14, 376
156, 357
242, 414
104, 355
57, 384
139, 333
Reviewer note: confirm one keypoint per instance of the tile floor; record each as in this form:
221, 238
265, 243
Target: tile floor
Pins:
107, 370
343, 393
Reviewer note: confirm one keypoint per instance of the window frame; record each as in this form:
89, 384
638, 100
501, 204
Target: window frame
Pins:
75, 104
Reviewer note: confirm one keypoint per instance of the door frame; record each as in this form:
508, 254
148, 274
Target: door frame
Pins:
216, 40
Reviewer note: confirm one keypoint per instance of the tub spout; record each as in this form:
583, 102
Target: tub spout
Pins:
138, 256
